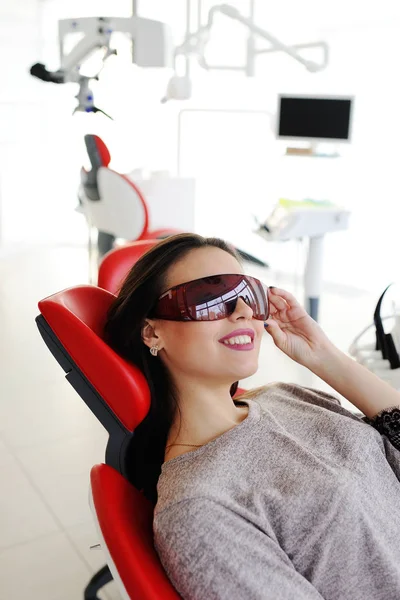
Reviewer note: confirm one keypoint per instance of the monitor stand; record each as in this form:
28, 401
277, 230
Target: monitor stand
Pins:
314, 149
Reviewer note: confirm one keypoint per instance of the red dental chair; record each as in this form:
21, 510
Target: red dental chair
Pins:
114, 204
71, 323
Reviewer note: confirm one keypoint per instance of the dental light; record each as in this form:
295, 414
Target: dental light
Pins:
151, 42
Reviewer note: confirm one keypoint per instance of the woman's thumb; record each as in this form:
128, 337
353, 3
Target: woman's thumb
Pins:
274, 331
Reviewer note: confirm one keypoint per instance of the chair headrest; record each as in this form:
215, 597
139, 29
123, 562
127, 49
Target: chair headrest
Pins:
98, 152
77, 316
117, 263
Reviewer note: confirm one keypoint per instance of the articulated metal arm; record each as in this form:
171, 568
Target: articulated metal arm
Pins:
194, 44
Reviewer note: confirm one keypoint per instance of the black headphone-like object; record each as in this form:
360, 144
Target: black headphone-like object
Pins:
384, 341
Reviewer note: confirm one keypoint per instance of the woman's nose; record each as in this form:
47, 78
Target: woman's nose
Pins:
242, 310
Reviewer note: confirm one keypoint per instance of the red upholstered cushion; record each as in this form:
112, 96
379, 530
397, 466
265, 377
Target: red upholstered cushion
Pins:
117, 263
77, 316
126, 521
103, 151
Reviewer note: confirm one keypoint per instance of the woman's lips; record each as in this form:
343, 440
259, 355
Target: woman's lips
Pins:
244, 341
240, 347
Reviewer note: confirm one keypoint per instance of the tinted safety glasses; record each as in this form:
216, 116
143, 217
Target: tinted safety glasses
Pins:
212, 298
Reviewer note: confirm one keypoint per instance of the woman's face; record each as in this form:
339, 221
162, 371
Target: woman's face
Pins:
195, 348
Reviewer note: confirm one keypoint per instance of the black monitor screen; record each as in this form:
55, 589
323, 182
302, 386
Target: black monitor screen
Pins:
323, 118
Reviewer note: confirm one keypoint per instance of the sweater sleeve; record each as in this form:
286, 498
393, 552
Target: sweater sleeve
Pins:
386, 422
209, 551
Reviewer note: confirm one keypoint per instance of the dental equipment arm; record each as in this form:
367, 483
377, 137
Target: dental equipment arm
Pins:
152, 48
276, 45
195, 43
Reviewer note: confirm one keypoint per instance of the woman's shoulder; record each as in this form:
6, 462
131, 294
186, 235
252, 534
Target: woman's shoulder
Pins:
254, 393
280, 388
288, 395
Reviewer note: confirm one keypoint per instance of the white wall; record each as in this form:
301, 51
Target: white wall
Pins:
20, 107
237, 159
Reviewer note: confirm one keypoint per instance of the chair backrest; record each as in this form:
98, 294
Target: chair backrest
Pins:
99, 154
121, 210
125, 518
117, 263
71, 323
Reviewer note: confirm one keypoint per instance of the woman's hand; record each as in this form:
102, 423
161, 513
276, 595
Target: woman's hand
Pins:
294, 331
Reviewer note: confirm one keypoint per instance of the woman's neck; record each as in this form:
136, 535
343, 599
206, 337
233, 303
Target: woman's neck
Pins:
202, 417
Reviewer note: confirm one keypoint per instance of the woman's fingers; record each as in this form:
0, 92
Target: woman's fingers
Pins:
282, 298
284, 306
278, 303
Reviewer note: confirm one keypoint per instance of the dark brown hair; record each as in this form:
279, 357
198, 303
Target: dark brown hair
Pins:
123, 332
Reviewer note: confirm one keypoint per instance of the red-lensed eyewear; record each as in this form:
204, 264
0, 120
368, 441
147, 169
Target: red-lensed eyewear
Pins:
212, 298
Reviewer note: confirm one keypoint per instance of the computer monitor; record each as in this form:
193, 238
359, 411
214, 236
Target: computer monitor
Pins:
314, 118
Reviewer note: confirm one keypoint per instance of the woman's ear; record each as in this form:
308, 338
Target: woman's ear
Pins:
149, 336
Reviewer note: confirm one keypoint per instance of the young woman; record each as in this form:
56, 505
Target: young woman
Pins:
280, 494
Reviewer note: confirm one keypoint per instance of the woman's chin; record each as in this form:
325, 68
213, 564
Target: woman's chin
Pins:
245, 371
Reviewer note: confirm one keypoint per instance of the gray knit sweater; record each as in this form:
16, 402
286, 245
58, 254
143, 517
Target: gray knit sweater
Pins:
300, 501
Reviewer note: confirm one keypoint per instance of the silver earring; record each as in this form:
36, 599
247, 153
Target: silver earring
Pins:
154, 350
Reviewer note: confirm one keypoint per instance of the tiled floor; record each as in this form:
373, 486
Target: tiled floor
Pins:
49, 439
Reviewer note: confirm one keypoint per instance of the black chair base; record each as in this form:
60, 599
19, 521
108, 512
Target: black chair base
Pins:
99, 579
